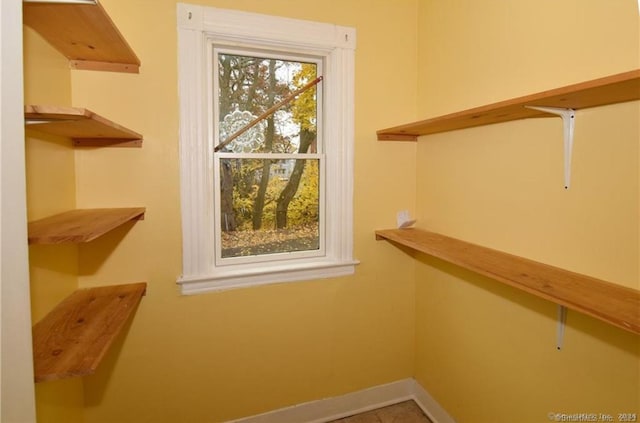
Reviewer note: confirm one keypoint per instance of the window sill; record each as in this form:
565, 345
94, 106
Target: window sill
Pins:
224, 279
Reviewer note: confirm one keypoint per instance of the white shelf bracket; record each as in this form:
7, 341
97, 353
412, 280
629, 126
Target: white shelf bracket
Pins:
568, 121
562, 319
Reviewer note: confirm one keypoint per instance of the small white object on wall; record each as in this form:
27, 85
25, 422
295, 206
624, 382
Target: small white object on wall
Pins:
404, 220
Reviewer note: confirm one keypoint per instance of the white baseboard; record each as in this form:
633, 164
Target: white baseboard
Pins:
429, 405
333, 408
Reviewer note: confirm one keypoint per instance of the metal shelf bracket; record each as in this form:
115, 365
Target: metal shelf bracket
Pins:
568, 121
562, 320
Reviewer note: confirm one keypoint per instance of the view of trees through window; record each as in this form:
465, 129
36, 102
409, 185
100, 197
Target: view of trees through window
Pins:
269, 177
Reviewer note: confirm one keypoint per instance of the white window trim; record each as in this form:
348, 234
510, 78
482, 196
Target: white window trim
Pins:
197, 25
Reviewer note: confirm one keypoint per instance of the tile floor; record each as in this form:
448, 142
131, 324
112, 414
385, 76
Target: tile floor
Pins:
404, 412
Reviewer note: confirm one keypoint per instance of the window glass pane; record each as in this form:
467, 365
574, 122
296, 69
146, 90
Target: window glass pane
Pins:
248, 87
269, 206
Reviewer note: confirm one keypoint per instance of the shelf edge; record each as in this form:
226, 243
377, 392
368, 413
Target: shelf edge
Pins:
79, 316
84, 235
104, 66
83, 49
619, 88
106, 142
72, 122
407, 237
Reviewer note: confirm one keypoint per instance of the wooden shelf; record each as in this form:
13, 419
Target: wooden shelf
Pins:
73, 338
84, 33
82, 225
84, 127
598, 92
614, 304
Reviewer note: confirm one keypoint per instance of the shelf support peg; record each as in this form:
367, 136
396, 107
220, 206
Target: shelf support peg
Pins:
568, 121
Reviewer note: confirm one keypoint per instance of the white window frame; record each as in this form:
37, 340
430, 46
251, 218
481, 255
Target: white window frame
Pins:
197, 26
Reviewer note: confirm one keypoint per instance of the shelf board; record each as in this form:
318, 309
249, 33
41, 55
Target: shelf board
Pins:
74, 337
612, 89
84, 33
84, 127
611, 303
81, 225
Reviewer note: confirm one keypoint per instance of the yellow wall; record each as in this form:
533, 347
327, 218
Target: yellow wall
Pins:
50, 189
486, 351
225, 355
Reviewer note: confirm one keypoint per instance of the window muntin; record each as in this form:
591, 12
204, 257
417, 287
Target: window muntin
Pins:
268, 205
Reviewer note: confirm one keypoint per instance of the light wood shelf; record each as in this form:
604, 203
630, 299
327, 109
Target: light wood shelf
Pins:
81, 225
84, 33
611, 303
598, 92
85, 128
74, 337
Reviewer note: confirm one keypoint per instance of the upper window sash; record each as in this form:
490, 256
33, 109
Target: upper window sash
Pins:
217, 49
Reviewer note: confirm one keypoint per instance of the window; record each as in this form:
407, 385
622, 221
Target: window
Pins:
268, 161
266, 148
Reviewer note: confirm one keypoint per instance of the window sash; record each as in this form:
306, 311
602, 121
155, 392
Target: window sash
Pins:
212, 70
262, 258
215, 48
